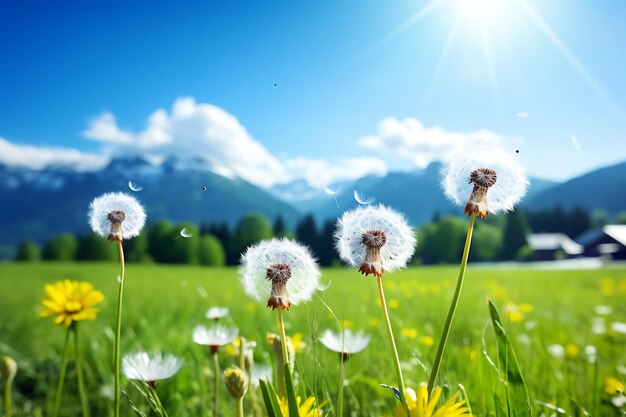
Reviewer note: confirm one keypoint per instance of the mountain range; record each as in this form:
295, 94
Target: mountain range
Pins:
37, 204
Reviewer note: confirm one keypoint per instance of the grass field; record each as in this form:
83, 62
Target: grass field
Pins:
164, 303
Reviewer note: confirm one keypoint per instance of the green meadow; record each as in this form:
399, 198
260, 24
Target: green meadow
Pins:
164, 303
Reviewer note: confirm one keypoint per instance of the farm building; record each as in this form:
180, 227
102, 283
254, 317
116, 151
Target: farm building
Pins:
608, 242
550, 246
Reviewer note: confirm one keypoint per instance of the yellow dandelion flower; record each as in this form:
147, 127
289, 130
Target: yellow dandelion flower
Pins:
393, 304
297, 343
306, 409
515, 316
613, 386
251, 307
571, 351
409, 332
70, 301
347, 324
427, 340
526, 308
421, 406
373, 321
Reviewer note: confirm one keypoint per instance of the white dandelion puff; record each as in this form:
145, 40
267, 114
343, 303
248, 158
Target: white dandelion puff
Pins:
141, 366
332, 192
351, 342
282, 269
215, 313
134, 186
362, 199
214, 336
374, 238
116, 216
484, 177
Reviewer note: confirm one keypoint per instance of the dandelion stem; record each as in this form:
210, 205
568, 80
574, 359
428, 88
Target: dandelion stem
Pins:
57, 398
341, 378
455, 301
240, 407
392, 345
157, 400
282, 390
216, 387
79, 371
118, 331
8, 408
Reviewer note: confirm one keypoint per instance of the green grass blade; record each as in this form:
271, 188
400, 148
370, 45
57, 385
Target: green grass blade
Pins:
292, 400
517, 399
269, 398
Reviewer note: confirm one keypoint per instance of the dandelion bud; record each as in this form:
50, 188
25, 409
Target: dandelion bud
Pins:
483, 179
274, 341
8, 369
236, 382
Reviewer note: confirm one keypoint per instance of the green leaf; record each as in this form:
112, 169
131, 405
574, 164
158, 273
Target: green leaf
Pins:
292, 400
517, 400
270, 399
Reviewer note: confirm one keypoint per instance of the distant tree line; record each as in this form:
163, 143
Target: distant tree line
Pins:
502, 237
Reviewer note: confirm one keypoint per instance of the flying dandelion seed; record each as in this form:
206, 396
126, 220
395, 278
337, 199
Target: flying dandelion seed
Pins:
332, 192
183, 233
203, 188
362, 199
134, 187
517, 151
576, 143
523, 115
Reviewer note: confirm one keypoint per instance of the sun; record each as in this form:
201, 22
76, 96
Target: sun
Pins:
482, 11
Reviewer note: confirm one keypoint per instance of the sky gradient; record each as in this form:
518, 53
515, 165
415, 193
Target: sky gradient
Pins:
312, 81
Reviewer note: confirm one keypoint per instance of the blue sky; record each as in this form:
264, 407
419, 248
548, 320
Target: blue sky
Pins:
340, 68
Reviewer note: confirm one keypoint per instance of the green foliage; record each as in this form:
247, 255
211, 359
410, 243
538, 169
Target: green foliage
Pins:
61, 248
515, 231
279, 228
211, 251
307, 233
486, 242
28, 251
159, 239
136, 249
92, 247
252, 228
442, 242
525, 253
621, 218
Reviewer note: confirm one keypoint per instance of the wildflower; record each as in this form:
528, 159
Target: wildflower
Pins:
613, 386
409, 332
216, 313
526, 308
297, 343
420, 405
306, 409
373, 321
236, 382
214, 336
70, 302
427, 340
603, 310
515, 316
618, 327
140, 366
476, 170
261, 373
374, 238
117, 216
598, 325
571, 351
394, 304
351, 342
284, 269
556, 351
591, 353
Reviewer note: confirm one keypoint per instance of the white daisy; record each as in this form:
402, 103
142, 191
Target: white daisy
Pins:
283, 269
374, 238
215, 313
214, 336
116, 216
142, 367
353, 342
484, 177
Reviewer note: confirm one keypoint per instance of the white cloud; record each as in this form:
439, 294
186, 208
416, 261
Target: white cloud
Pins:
104, 129
39, 157
320, 172
409, 139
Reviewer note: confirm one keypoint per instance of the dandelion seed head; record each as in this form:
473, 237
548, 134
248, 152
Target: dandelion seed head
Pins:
484, 167
374, 238
143, 367
214, 336
116, 216
351, 342
215, 313
282, 269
